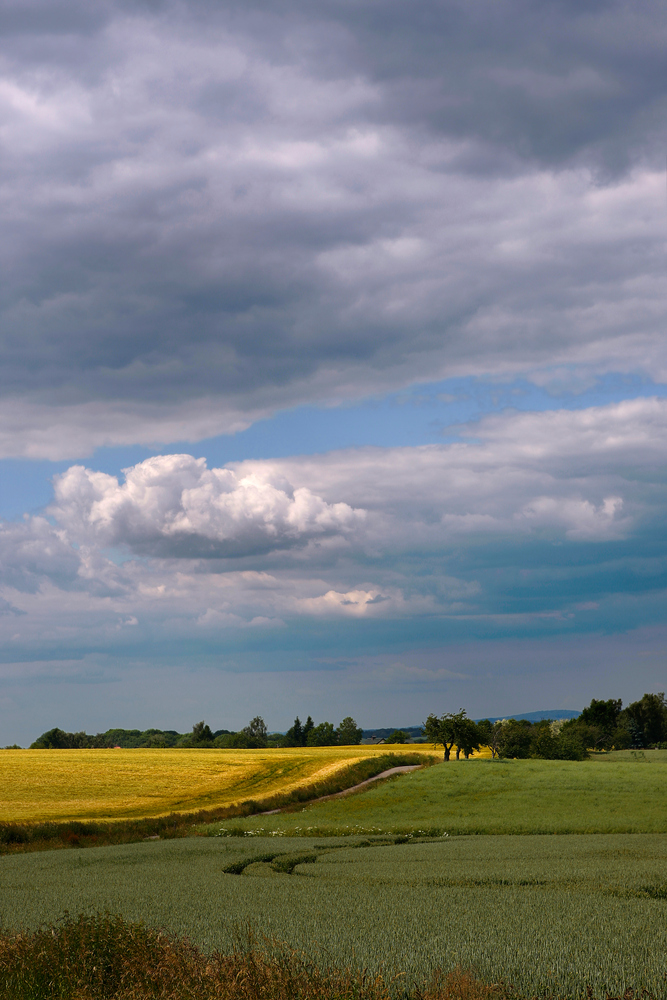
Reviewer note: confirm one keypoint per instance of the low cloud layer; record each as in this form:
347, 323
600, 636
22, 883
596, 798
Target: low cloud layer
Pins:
210, 213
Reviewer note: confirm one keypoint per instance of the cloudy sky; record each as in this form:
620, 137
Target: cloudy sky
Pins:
333, 362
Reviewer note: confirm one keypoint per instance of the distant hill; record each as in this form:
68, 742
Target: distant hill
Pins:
552, 713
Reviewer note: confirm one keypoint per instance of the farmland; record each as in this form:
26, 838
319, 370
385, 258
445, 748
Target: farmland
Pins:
539, 912
609, 794
63, 785
453, 865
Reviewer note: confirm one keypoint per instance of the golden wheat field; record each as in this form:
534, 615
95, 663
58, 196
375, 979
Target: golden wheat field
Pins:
41, 785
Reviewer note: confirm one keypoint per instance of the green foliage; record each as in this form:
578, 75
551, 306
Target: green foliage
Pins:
398, 736
442, 729
256, 733
57, 739
349, 733
309, 725
468, 737
294, 735
454, 729
490, 735
516, 739
323, 735
604, 715
647, 720
606, 725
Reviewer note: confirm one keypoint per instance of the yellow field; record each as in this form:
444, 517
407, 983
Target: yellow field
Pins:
40, 785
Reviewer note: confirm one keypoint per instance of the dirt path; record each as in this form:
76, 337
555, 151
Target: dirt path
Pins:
348, 791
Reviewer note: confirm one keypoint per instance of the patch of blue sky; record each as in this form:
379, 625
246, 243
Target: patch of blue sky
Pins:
422, 414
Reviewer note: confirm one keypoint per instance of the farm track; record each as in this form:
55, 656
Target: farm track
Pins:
348, 791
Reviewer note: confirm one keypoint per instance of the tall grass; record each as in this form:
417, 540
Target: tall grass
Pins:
493, 797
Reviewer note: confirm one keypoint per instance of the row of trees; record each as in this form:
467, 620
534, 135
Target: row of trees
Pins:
606, 724
603, 725
305, 734
254, 735
348, 733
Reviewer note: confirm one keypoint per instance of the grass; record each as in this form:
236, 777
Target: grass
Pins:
494, 797
103, 956
66, 785
545, 915
16, 837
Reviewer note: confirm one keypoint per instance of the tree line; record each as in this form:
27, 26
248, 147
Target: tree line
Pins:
603, 725
253, 736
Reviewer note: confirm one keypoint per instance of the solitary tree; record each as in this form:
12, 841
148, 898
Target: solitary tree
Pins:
349, 733
444, 729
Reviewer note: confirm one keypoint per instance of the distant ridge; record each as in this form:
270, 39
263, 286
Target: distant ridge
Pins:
553, 713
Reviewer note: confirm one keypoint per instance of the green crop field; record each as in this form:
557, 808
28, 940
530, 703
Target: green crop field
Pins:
544, 913
610, 794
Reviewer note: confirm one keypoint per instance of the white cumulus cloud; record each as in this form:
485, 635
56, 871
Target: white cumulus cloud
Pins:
173, 505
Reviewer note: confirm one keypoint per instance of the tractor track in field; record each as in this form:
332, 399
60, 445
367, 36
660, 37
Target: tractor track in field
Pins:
347, 791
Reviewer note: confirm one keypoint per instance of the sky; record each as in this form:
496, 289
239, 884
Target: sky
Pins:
333, 361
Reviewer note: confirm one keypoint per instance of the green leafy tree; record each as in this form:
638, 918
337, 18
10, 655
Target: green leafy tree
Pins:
544, 742
445, 729
294, 735
468, 737
398, 736
256, 733
599, 726
349, 733
201, 733
156, 742
604, 715
647, 719
57, 739
490, 735
308, 727
515, 739
323, 735
234, 741
571, 746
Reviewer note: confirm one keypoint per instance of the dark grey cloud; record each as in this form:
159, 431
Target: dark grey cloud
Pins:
212, 212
